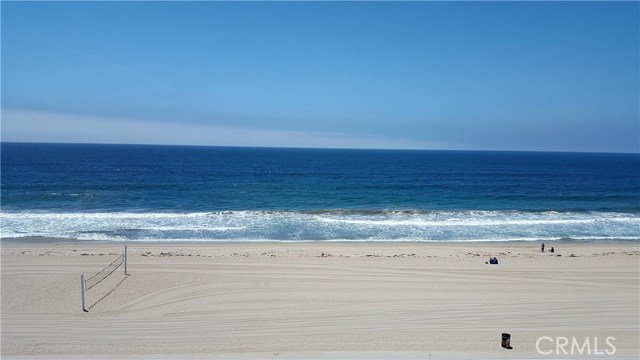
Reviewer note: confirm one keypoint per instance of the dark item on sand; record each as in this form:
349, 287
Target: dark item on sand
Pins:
506, 341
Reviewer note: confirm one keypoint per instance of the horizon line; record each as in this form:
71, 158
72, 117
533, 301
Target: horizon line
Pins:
318, 148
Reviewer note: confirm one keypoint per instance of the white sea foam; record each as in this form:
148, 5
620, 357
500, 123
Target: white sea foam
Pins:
325, 225
462, 222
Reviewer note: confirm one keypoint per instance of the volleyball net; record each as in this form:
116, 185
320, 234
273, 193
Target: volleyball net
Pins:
90, 282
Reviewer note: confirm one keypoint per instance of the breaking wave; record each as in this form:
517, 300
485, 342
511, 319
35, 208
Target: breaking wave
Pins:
325, 225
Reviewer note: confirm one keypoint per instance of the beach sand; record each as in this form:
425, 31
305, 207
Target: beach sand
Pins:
328, 300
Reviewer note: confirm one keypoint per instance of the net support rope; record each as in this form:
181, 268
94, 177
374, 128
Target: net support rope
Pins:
98, 277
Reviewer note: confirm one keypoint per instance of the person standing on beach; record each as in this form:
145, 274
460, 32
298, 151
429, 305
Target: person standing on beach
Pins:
542, 247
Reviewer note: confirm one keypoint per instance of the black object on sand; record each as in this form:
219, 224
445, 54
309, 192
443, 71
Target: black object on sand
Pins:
506, 341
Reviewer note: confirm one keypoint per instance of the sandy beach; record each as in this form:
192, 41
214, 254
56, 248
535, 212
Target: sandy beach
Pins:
320, 300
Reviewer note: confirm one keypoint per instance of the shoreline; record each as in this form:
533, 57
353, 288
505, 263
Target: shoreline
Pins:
384, 300
70, 240
301, 249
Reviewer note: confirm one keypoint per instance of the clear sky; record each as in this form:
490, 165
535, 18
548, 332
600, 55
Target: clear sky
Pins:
554, 76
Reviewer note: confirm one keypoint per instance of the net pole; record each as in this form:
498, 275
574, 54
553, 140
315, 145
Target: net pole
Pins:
125, 260
84, 308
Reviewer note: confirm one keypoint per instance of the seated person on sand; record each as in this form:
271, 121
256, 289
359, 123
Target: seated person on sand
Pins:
492, 260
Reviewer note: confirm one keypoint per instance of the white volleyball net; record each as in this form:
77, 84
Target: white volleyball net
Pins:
97, 286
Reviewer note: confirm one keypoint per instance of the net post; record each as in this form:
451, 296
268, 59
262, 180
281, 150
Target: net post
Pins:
82, 291
125, 259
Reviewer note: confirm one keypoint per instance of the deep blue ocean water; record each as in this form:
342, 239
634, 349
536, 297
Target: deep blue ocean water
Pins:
157, 193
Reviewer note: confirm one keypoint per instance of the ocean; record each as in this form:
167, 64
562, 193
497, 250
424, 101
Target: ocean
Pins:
187, 193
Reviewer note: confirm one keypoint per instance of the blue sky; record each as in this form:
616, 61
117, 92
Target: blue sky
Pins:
545, 76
